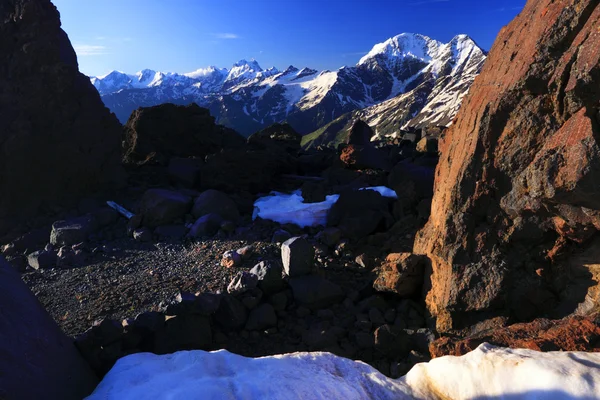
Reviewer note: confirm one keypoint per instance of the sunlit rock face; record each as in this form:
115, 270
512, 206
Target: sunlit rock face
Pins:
514, 188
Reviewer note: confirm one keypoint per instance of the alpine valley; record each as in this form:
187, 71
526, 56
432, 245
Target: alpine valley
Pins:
408, 81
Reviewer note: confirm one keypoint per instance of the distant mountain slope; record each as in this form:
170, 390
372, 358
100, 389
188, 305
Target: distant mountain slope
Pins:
247, 98
434, 101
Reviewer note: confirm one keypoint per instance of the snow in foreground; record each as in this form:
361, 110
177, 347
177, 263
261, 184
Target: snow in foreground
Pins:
291, 209
487, 372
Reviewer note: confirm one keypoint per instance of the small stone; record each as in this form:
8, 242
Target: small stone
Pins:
298, 257
280, 236
390, 315
162, 207
242, 282
142, 235
376, 317
363, 261
269, 276
365, 340
402, 274
231, 259
245, 252
72, 231
262, 317
42, 259
329, 236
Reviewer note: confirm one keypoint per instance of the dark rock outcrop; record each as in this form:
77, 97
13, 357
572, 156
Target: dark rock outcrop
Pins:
518, 175
280, 135
155, 134
57, 140
37, 360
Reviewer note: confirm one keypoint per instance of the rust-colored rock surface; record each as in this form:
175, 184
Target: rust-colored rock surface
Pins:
401, 274
57, 139
569, 334
517, 185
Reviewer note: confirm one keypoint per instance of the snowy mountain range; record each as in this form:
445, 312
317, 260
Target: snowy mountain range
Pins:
410, 78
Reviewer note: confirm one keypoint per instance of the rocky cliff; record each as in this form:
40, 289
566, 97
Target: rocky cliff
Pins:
57, 139
516, 189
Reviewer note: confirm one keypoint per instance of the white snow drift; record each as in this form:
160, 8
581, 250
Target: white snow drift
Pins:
488, 372
290, 208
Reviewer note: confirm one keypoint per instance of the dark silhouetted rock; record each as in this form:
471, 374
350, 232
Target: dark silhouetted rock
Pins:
280, 236
184, 332
171, 231
72, 231
298, 256
161, 206
279, 135
185, 171
360, 134
52, 362
269, 276
156, 134
242, 282
207, 225
392, 341
359, 213
57, 139
215, 202
261, 318
43, 259
231, 313
315, 292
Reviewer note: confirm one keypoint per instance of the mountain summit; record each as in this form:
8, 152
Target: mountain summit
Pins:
431, 75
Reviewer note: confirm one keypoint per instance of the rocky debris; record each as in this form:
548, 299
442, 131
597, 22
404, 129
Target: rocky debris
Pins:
184, 332
516, 169
269, 276
68, 257
280, 236
402, 274
360, 134
297, 255
176, 232
315, 292
393, 341
53, 362
215, 202
142, 235
364, 157
231, 313
427, 145
569, 334
329, 236
242, 282
277, 135
262, 317
359, 213
313, 192
58, 140
162, 206
157, 134
206, 226
43, 259
412, 184
185, 171
231, 259
72, 231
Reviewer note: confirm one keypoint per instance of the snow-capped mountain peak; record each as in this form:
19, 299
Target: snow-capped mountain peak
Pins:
404, 45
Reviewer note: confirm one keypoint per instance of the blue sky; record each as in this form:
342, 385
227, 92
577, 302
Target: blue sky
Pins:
184, 35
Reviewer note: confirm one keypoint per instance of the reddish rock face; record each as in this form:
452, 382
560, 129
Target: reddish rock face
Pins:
570, 334
518, 180
57, 139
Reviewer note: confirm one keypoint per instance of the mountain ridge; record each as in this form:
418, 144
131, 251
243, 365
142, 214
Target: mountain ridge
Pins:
247, 97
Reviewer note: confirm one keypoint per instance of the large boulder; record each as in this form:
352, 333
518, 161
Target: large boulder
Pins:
245, 170
162, 206
517, 178
33, 349
57, 139
155, 134
214, 202
360, 134
359, 213
279, 135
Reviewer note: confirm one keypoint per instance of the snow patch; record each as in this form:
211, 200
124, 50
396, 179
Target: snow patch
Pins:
487, 372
